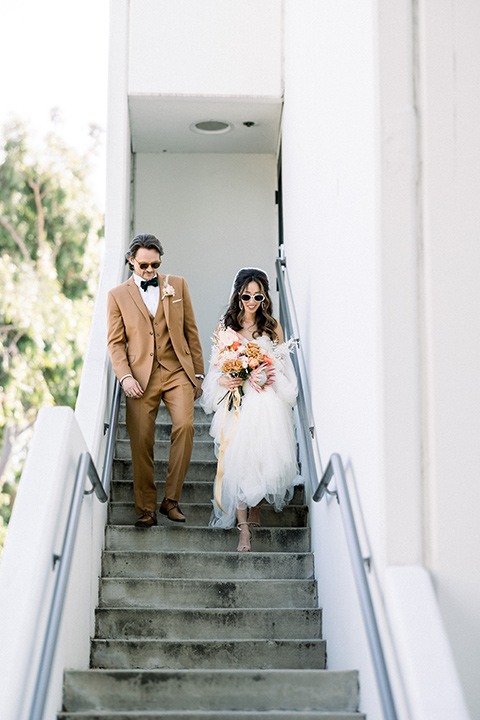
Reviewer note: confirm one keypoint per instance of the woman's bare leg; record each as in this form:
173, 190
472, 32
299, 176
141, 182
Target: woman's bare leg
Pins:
254, 516
242, 524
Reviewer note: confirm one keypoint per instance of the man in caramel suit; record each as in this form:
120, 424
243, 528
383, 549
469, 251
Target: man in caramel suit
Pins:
156, 354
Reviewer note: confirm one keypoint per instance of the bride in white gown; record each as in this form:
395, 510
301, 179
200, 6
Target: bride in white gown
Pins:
254, 435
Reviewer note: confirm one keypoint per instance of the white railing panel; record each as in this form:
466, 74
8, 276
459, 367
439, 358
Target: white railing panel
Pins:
27, 572
428, 669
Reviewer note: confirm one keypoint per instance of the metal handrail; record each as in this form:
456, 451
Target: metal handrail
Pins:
335, 470
85, 468
289, 323
112, 435
101, 488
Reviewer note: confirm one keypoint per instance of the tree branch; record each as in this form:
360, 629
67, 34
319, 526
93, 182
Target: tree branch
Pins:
35, 186
16, 237
10, 435
44, 263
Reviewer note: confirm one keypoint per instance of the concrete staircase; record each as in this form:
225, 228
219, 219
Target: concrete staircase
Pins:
188, 628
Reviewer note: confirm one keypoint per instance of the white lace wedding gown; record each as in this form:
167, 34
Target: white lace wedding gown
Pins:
260, 461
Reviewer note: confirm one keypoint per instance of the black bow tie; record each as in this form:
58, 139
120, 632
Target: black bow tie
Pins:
145, 283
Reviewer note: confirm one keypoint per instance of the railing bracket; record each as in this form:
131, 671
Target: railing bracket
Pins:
333, 493
105, 428
368, 563
312, 431
56, 558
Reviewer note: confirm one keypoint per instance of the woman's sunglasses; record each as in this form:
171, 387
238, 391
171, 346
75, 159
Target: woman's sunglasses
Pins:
246, 297
144, 266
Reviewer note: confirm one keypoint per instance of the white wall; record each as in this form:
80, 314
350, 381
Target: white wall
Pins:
212, 47
329, 176
449, 78
381, 158
400, 298
214, 214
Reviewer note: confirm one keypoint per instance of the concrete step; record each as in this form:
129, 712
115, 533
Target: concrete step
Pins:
163, 417
198, 514
206, 690
188, 628
212, 565
192, 492
208, 654
209, 623
202, 450
164, 429
177, 537
180, 593
212, 715
199, 470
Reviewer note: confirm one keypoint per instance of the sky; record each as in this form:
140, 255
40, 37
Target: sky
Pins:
54, 54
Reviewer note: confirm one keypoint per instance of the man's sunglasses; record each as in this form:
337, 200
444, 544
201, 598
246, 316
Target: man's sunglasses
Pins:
246, 297
144, 266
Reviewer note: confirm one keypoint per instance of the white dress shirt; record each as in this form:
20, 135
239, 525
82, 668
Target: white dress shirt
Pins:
150, 296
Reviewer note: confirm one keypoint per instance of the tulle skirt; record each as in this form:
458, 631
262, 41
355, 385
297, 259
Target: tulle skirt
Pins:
260, 461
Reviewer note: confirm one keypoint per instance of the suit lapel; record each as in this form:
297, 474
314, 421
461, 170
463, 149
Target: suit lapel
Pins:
135, 295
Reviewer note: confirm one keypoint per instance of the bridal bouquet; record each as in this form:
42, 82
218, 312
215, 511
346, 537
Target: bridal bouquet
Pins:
246, 361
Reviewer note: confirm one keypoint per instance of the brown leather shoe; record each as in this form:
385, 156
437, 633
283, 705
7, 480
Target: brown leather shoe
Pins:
171, 509
148, 519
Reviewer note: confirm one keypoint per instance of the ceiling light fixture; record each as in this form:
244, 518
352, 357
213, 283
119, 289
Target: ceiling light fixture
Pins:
211, 127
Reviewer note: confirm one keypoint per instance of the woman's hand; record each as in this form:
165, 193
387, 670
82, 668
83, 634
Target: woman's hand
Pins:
230, 383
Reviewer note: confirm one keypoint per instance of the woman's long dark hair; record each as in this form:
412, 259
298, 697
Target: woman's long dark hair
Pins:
266, 324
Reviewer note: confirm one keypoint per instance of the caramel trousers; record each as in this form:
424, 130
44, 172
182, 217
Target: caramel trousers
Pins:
177, 392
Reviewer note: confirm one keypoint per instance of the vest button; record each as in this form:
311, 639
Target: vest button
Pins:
151, 333
151, 354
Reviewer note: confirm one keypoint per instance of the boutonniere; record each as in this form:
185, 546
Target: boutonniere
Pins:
168, 290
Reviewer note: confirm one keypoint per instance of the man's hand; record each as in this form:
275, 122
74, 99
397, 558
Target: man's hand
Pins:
132, 387
198, 388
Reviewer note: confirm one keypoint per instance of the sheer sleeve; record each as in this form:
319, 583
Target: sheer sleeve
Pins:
285, 384
212, 391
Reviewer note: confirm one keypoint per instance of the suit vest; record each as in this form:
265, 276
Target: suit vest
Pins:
164, 353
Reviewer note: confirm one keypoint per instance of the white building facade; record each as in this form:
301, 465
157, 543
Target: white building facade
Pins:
370, 112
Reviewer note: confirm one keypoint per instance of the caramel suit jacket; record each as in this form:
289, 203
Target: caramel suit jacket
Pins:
130, 339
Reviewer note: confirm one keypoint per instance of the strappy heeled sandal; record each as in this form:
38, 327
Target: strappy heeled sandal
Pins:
244, 547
